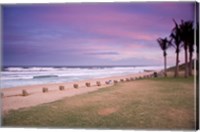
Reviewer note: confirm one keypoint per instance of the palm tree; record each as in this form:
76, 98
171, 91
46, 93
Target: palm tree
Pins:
186, 31
164, 45
191, 50
176, 43
197, 45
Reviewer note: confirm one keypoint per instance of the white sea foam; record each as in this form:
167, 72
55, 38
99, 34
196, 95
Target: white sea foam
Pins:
21, 69
19, 76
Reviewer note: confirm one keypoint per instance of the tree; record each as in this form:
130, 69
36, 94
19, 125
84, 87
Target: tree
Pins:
197, 45
176, 43
164, 45
191, 50
186, 34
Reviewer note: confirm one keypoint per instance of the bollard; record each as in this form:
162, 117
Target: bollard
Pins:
98, 83
115, 81
87, 84
61, 88
24, 92
44, 90
155, 74
132, 79
2, 95
75, 85
122, 80
107, 82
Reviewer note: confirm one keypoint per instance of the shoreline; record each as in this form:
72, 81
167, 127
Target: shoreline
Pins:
43, 84
12, 97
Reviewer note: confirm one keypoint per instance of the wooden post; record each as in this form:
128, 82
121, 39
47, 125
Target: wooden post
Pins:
155, 74
98, 83
107, 82
2, 95
75, 85
45, 90
122, 80
132, 79
61, 88
87, 84
24, 92
115, 81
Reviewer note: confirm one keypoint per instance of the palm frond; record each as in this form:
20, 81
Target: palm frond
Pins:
163, 43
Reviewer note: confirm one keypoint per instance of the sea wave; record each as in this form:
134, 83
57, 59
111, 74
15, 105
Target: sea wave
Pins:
18, 76
24, 69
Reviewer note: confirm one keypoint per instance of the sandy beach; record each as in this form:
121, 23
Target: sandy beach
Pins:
12, 97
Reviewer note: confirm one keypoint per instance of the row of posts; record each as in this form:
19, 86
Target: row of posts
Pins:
98, 83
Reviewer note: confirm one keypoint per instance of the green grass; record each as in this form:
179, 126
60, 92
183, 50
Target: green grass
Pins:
161, 103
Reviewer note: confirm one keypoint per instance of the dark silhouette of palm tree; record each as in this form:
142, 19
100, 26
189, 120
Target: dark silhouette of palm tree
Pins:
176, 43
197, 45
164, 45
186, 34
191, 50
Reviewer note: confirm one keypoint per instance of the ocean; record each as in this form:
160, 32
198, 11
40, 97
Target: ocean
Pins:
23, 76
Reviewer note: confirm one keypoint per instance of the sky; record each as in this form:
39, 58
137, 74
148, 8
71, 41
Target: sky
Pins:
90, 33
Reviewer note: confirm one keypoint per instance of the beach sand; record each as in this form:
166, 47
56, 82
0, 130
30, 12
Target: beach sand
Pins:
12, 97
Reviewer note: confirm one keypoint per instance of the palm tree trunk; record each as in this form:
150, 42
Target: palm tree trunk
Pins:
190, 64
177, 65
197, 63
165, 66
186, 61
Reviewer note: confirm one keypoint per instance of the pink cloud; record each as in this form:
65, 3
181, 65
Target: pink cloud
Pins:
89, 21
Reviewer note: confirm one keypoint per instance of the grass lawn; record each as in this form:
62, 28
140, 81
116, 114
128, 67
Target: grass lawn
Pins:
158, 103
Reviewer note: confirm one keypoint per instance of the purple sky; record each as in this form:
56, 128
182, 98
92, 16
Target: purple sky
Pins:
90, 34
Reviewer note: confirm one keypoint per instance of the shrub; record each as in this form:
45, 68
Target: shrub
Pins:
122, 80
